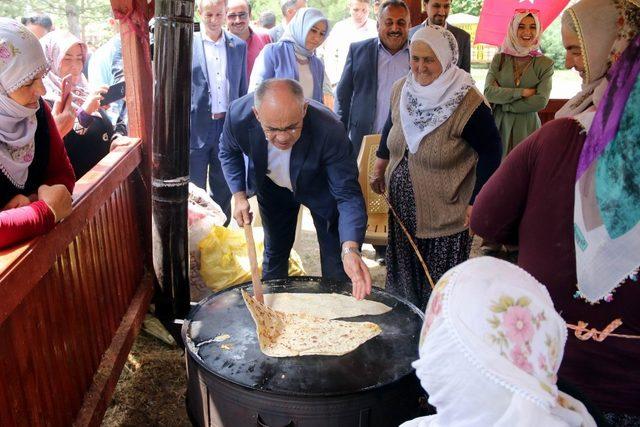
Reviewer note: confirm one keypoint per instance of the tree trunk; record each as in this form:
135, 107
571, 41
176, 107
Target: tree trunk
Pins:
73, 17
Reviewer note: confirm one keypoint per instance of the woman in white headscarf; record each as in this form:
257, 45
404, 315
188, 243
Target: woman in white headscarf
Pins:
442, 147
36, 178
490, 349
571, 204
518, 83
294, 55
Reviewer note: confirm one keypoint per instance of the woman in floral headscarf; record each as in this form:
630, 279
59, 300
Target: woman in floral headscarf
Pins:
90, 138
294, 55
519, 80
490, 349
568, 195
36, 178
438, 148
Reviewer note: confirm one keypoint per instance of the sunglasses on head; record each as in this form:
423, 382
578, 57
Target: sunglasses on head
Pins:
536, 11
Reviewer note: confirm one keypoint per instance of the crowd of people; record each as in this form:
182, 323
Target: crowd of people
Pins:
562, 198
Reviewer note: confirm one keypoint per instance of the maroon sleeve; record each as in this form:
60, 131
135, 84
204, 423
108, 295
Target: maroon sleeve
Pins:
24, 223
59, 170
499, 206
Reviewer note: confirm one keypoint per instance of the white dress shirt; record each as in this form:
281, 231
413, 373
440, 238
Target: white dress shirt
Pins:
278, 166
215, 54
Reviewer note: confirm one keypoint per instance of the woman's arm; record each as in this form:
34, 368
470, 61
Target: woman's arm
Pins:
494, 93
262, 68
383, 150
483, 136
24, 223
538, 101
59, 169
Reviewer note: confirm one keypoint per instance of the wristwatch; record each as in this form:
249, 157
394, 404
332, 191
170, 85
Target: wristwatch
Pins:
350, 249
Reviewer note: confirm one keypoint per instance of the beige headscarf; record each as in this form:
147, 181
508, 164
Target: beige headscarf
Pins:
596, 25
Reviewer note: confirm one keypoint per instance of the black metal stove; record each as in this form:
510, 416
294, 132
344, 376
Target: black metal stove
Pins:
231, 383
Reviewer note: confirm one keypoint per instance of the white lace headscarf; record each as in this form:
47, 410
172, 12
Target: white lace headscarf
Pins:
424, 108
490, 349
21, 60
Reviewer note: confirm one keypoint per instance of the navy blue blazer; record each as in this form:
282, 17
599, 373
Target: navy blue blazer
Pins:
200, 99
356, 93
324, 174
464, 44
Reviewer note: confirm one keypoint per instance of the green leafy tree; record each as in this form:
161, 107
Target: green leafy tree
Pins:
552, 46
472, 7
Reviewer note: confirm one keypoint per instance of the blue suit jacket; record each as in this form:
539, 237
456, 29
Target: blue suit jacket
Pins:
356, 94
324, 174
200, 99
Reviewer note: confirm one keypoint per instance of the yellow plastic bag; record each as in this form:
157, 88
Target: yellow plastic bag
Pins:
224, 261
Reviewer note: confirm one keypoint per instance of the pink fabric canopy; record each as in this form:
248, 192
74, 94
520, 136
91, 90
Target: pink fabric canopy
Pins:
496, 15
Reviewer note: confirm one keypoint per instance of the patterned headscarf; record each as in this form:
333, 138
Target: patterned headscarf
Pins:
596, 23
56, 44
21, 60
424, 108
511, 45
297, 30
490, 349
607, 192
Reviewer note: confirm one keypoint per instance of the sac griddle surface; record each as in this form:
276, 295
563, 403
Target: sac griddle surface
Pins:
378, 362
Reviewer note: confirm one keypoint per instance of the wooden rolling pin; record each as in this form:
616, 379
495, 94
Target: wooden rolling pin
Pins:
253, 262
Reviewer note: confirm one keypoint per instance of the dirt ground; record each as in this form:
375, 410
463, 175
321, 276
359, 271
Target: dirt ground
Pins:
151, 389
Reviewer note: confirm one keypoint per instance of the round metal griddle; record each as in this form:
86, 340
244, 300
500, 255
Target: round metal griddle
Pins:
378, 362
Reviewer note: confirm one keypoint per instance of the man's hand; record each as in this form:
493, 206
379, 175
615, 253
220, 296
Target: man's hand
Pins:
376, 180
357, 271
241, 210
528, 92
16, 201
58, 198
64, 116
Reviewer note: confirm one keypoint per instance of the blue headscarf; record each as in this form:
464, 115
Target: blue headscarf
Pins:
300, 26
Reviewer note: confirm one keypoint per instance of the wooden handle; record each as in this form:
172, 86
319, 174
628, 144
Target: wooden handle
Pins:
253, 262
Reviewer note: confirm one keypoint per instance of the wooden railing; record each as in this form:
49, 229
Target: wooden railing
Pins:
72, 301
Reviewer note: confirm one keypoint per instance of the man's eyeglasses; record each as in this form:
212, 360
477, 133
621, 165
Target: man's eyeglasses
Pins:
233, 16
271, 132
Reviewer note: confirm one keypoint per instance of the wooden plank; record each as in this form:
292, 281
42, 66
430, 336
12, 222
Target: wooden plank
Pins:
105, 380
44, 249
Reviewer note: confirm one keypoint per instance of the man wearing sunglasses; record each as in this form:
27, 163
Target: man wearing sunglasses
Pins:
298, 154
238, 18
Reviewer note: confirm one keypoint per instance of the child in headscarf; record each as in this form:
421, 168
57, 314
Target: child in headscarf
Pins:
293, 57
490, 349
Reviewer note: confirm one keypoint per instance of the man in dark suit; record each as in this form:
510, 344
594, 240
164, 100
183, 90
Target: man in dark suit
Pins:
364, 91
298, 154
289, 9
437, 13
219, 76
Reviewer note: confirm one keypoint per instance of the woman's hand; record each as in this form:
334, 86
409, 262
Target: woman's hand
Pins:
92, 102
64, 116
58, 198
528, 92
467, 219
17, 201
376, 180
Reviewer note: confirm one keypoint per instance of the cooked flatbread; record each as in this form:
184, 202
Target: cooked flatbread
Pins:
285, 334
327, 306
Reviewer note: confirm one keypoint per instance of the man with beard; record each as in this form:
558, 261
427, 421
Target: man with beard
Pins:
364, 91
238, 18
353, 29
437, 13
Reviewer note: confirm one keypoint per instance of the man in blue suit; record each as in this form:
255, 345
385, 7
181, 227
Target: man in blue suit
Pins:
363, 94
219, 76
298, 153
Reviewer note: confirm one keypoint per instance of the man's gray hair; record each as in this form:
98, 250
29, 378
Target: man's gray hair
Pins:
293, 86
286, 5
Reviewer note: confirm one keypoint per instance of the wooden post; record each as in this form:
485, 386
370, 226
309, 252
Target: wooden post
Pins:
173, 37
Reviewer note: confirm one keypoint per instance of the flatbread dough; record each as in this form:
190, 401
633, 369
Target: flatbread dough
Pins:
328, 306
285, 334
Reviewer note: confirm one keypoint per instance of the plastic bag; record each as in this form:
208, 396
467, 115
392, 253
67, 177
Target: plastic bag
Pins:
202, 214
224, 261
